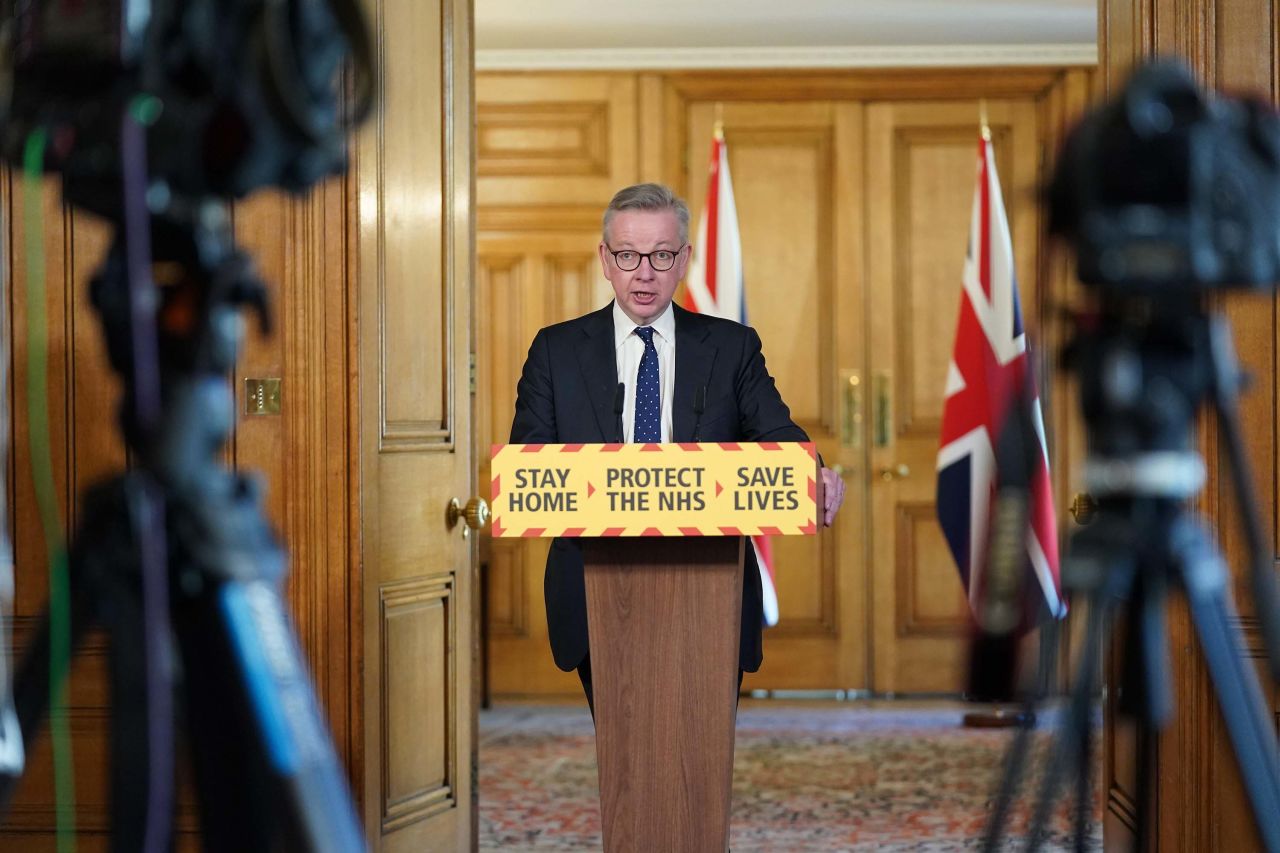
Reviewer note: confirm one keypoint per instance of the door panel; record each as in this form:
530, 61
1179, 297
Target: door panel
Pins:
413, 195
920, 168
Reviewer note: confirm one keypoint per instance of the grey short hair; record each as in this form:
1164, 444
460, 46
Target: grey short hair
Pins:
648, 197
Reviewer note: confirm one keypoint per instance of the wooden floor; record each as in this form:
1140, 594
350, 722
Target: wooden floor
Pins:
808, 776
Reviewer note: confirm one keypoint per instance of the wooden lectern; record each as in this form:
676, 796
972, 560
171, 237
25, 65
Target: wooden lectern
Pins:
662, 529
664, 618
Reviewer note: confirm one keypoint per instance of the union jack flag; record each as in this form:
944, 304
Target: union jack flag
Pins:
989, 372
714, 286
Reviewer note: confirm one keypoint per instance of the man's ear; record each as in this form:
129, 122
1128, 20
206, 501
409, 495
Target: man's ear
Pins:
604, 259
682, 262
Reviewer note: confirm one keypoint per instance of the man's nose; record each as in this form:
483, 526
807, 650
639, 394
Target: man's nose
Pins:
645, 270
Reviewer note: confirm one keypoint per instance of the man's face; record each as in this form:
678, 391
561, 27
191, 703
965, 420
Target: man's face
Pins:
643, 293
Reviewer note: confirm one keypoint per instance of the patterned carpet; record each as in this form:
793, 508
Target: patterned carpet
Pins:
816, 777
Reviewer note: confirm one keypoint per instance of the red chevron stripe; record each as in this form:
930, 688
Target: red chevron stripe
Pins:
688, 445
731, 531
729, 445
691, 531
495, 488
770, 445
532, 448
533, 532
613, 531
495, 527
651, 448
573, 531
611, 448
571, 448
770, 531
651, 531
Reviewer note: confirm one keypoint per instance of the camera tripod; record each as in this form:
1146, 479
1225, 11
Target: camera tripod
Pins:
266, 773
1145, 368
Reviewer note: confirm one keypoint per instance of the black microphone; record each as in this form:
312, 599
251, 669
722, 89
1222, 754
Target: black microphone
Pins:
699, 403
619, 400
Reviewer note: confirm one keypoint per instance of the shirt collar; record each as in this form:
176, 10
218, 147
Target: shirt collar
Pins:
623, 326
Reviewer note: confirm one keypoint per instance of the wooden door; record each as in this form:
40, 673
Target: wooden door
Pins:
414, 254
920, 183
796, 170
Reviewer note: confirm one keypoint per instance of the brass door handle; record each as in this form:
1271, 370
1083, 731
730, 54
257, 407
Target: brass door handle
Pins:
850, 409
897, 472
884, 412
475, 514
1083, 508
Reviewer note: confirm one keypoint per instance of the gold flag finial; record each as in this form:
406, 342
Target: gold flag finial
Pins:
718, 130
982, 119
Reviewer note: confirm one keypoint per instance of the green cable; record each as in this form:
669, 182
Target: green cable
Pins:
46, 497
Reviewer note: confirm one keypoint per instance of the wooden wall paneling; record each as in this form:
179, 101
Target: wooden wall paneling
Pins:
554, 139
88, 442
413, 274
1060, 110
661, 136
1123, 37
264, 228
301, 454
1239, 57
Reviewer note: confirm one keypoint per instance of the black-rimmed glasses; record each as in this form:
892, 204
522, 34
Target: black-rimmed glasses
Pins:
660, 259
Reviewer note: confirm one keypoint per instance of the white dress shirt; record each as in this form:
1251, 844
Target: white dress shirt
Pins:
628, 348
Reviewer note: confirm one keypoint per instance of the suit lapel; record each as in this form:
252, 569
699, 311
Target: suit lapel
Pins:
599, 365
695, 356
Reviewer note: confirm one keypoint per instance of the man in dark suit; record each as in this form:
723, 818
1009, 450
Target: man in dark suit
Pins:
685, 376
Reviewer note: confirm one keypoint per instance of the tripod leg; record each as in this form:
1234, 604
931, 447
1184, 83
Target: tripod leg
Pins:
255, 724
1019, 749
1084, 799
266, 764
1015, 765
1070, 744
1239, 696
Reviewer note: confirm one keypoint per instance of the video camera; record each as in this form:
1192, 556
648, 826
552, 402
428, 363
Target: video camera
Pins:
1168, 188
236, 94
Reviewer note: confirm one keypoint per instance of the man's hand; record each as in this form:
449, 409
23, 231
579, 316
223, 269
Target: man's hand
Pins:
833, 485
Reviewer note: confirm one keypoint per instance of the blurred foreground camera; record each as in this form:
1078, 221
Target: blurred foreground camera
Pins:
1166, 194
1169, 187
236, 94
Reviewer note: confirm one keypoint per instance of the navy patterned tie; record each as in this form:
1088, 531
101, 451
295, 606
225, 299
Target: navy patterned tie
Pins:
648, 426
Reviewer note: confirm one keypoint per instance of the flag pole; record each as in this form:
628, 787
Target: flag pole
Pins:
718, 130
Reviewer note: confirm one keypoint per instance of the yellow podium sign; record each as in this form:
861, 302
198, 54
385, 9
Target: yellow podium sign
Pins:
706, 489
